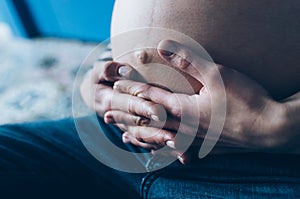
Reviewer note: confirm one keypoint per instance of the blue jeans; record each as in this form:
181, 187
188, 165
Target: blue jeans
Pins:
48, 160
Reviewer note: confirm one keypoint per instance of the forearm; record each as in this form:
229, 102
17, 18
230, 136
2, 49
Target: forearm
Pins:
292, 121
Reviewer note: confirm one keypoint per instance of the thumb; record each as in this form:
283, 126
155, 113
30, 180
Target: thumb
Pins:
114, 71
209, 75
184, 59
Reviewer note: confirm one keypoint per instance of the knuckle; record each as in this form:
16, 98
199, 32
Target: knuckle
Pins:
176, 111
140, 121
149, 104
124, 86
103, 99
103, 106
141, 106
160, 136
185, 59
100, 93
151, 108
131, 106
137, 120
142, 88
175, 107
184, 63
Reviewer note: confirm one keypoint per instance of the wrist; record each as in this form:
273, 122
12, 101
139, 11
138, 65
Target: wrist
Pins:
291, 122
275, 126
283, 126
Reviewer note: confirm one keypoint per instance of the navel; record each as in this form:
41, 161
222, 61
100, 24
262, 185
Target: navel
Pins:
142, 56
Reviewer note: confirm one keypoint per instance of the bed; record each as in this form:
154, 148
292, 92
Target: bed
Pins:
37, 77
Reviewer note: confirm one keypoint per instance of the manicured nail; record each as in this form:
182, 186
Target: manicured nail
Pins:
170, 144
155, 118
166, 53
168, 48
125, 139
124, 71
109, 120
116, 86
180, 158
140, 95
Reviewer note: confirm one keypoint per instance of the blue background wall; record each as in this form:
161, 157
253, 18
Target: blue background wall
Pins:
80, 19
8, 15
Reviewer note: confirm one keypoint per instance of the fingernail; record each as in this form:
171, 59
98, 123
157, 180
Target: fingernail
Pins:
181, 159
170, 144
124, 71
168, 48
166, 53
125, 139
155, 118
116, 86
140, 95
109, 120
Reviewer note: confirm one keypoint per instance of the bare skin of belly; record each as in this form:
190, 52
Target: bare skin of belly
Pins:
258, 38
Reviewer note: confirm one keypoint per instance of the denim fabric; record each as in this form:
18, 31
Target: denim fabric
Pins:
230, 176
48, 160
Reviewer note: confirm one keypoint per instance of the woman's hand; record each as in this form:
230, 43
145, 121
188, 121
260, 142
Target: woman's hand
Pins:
97, 92
254, 121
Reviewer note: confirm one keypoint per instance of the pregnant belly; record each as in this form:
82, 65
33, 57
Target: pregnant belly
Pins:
258, 38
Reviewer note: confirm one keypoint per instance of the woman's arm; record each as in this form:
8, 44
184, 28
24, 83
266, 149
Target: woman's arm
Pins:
291, 122
254, 121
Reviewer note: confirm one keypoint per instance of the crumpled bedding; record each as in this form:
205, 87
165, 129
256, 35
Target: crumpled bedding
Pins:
36, 78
